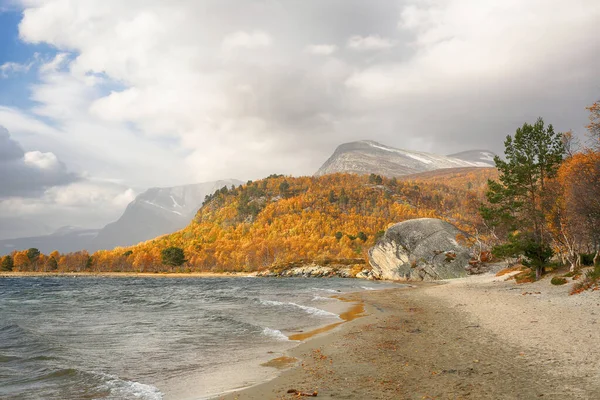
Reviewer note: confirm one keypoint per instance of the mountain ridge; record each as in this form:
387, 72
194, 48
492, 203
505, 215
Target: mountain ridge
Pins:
370, 157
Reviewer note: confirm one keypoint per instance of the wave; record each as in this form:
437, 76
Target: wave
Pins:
276, 334
328, 290
124, 389
367, 288
321, 298
309, 310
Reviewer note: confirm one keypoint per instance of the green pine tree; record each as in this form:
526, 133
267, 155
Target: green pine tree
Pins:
515, 206
7, 264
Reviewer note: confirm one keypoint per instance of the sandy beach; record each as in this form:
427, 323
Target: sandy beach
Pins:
474, 338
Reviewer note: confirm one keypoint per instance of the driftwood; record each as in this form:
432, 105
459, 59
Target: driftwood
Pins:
302, 394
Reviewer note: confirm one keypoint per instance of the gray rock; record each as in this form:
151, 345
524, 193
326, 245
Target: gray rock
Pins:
420, 249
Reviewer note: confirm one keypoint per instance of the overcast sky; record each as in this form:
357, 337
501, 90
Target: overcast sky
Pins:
102, 99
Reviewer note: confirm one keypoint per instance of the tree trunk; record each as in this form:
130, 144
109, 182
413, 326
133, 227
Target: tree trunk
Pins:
573, 265
538, 273
597, 258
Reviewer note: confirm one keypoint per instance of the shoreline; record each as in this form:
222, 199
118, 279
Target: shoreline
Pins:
479, 337
131, 274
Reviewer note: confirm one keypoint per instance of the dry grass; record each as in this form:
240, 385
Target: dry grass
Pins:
515, 268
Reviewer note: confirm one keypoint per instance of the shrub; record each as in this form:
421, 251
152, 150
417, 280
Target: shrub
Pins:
591, 279
587, 259
173, 256
557, 280
527, 276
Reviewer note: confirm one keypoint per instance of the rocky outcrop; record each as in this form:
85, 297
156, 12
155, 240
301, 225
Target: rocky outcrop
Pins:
420, 249
316, 270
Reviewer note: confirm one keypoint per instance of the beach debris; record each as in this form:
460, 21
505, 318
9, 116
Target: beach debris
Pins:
302, 394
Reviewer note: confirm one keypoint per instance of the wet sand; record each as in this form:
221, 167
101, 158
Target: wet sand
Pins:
472, 338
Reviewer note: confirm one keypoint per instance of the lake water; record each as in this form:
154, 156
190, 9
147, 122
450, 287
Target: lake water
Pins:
153, 338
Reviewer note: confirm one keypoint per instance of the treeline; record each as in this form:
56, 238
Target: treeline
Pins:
283, 219
545, 206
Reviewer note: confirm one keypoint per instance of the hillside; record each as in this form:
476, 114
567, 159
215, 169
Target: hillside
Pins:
156, 212
282, 219
369, 157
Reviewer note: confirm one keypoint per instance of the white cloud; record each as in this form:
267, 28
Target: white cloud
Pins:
368, 43
321, 49
41, 160
9, 68
56, 63
458, 43
246, 40
159, 93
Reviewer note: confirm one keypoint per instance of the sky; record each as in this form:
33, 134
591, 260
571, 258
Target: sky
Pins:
100, 100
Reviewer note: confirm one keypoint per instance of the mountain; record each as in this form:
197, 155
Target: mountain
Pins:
156, 212
281, 219
367, 157
477, 156
65, 239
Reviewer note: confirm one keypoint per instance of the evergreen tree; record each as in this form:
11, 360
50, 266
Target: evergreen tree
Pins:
343, 199
516, 202
284, 187
7, 264
33, 254
332, 196
173, 256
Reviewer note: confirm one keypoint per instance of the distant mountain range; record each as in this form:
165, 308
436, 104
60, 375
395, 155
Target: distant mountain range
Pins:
366, 157
65, 240
155, 212
159, 211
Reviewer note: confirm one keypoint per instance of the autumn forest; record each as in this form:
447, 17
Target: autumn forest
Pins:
282, 219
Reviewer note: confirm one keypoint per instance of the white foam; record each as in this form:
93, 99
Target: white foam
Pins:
275, 334
321, 298
367, 288
123, 389
328, 290
309, 310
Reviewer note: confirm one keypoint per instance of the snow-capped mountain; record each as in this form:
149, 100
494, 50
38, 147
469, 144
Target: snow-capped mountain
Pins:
366, 157
156, 212
477, 156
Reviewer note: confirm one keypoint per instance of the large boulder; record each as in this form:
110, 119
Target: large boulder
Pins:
420, 249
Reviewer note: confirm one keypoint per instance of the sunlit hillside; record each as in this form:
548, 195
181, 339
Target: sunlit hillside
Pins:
282, 219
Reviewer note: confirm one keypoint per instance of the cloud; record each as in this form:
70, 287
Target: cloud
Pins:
28, 174
321, 49
9, 68
53, 65
246, 40
368, 43
158, 94
473, 43
64, 205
